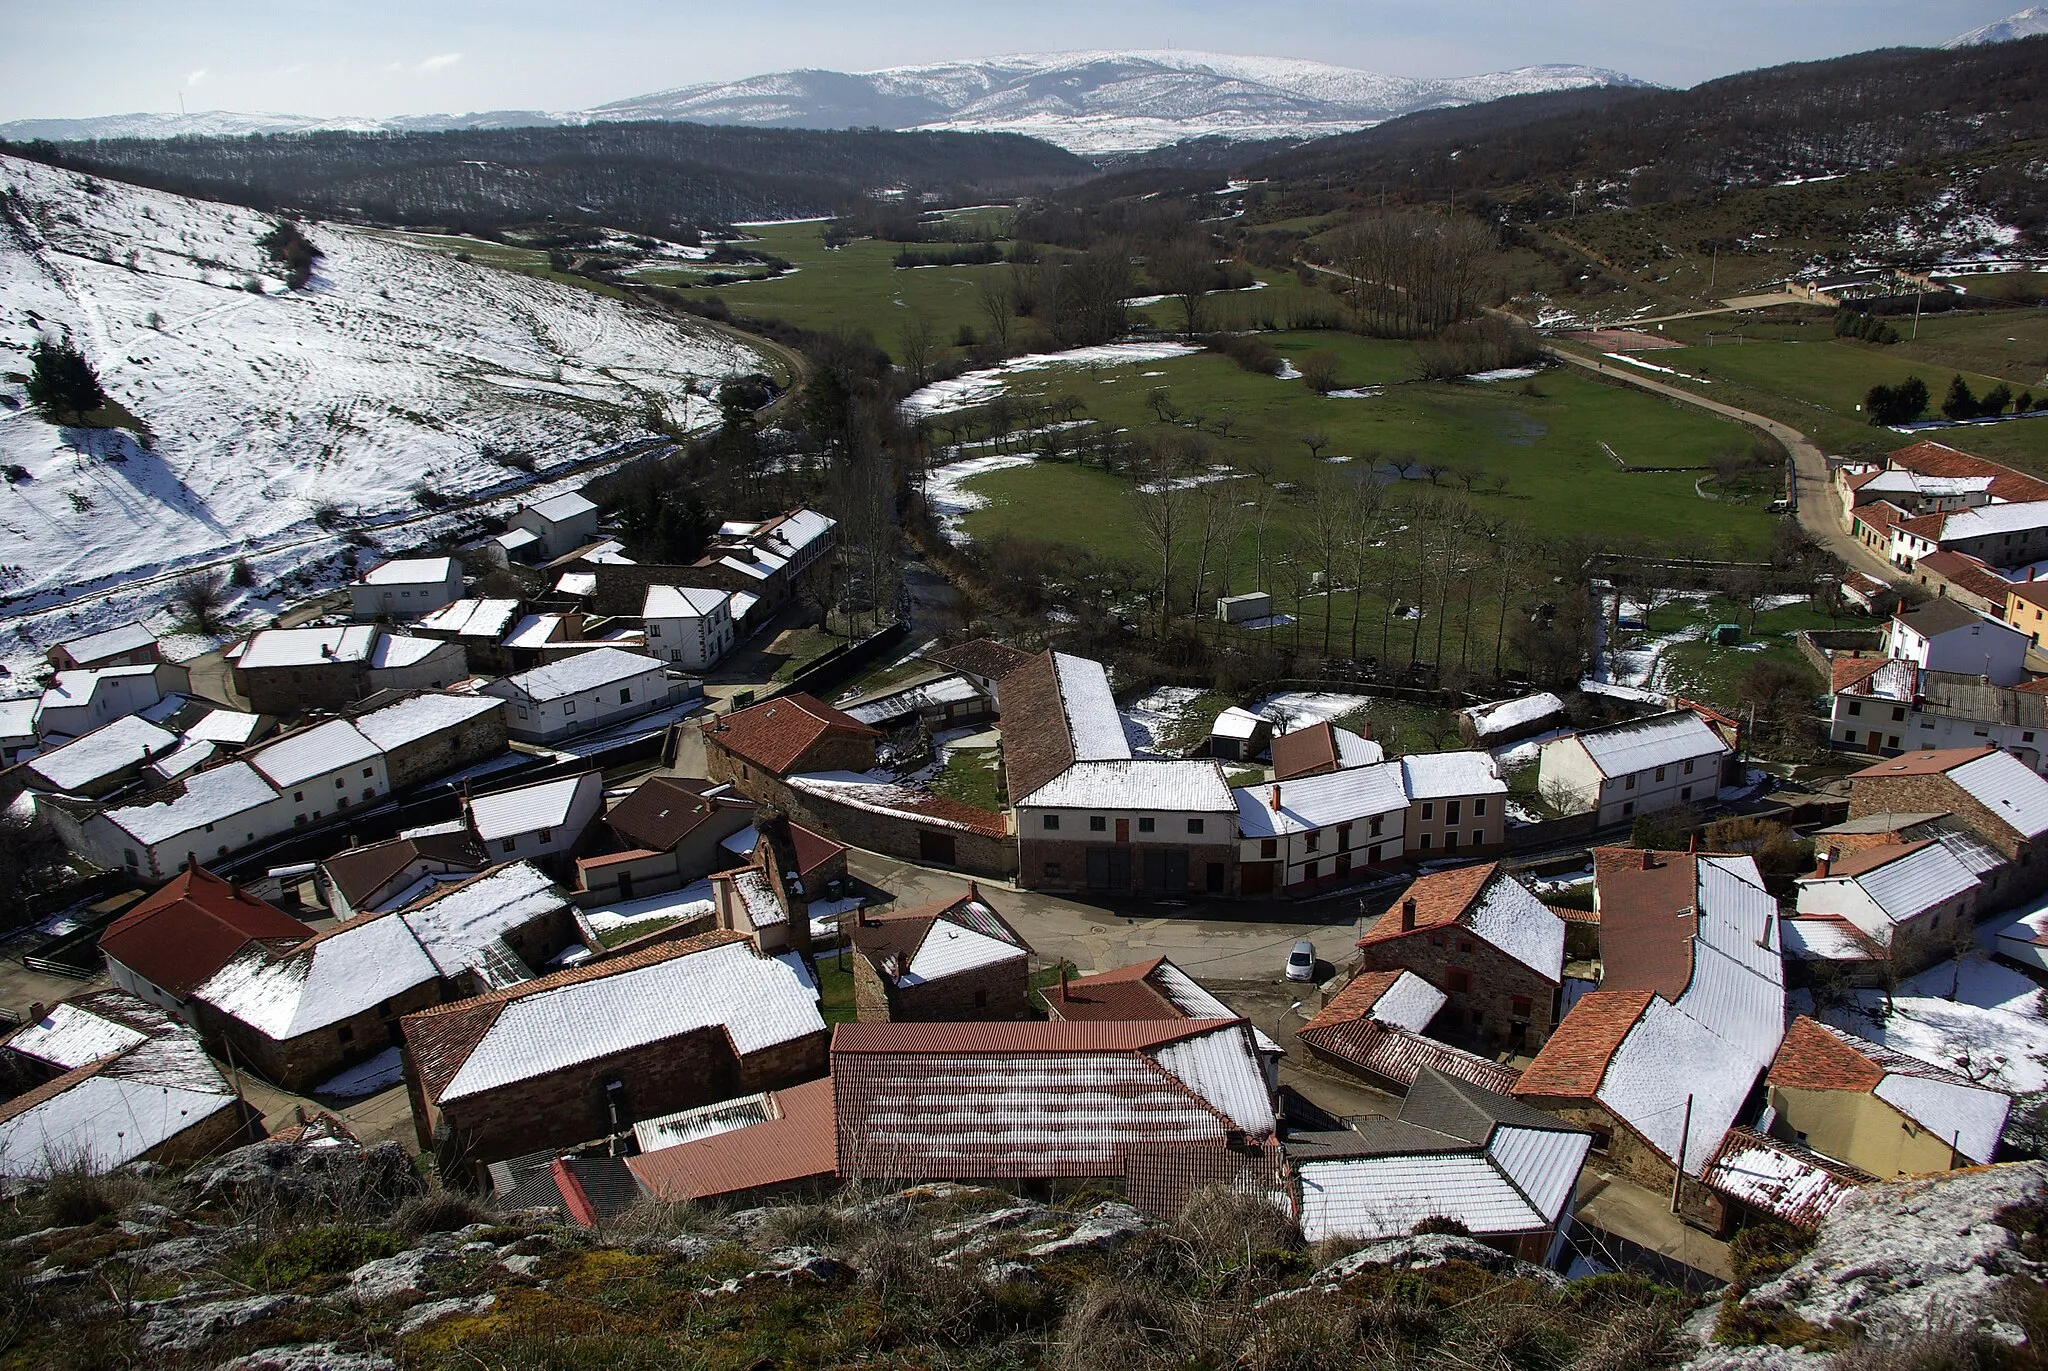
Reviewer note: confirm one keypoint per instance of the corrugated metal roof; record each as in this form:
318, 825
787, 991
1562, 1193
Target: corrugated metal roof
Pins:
1662, 740
1916, 880
1784, 1179
463, 922
1223, 1068
1144, 783
705, 1121
797, 1143
314, 751
2006, 786
1543, 1163
1365, 1198
530, 808
1313, 802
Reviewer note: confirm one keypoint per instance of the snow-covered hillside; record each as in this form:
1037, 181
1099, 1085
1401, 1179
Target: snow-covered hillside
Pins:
2030, 22
1088, 102
394, 368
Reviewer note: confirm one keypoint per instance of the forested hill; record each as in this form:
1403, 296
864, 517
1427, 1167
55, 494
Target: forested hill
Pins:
1621, 146
651, 176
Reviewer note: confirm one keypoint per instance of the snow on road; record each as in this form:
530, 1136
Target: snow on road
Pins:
393, 369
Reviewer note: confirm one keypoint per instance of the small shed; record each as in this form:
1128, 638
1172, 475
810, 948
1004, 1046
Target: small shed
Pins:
1238, 735
1240, 609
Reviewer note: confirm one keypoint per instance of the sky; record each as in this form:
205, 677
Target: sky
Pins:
77, 58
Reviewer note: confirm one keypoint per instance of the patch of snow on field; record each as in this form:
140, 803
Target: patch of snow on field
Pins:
980, 387
1156, 714
1506, 374
1356, 393
394, 368
1651, 366
947, 496
1209, 477
1293, 709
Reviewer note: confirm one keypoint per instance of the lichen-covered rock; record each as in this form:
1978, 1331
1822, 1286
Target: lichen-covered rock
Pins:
192, 1251
308, 1356
1102, 1229
433, 1311
371, 1181
960, 1237
187, 1327
403, 1274
1424, 1250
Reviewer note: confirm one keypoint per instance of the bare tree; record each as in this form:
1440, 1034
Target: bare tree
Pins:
1315, 443
920, 347
1319, 372
996, 293
1218, 519
1162, 500
1185, 269
203, 596
1262, 467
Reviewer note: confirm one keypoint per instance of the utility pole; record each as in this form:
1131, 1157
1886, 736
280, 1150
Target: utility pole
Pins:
1714, 275
1918, 296
1678, 1171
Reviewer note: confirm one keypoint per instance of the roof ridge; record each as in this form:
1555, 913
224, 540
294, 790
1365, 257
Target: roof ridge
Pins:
595, 970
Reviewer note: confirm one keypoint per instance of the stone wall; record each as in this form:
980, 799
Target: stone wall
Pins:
989, 994
451, 749
1487, 1009
228, 1128
897, 834
2027, 872
1044, 864
298, 1064
288, 690
570, 1106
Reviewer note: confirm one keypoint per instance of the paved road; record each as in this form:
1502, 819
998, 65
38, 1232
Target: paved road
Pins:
1817, 500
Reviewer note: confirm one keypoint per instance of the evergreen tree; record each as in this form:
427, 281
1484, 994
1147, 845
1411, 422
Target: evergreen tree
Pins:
61, 381
1959, 403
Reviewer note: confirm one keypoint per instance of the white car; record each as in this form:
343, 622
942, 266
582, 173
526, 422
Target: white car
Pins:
1301, 962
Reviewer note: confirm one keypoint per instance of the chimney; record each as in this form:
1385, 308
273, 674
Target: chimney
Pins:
1821, 864
1646, 863
1276, 799
2030, 573
860, 916
36, 1012
974, 892
1408, 915
1764, 938
1692, 842
1064, 996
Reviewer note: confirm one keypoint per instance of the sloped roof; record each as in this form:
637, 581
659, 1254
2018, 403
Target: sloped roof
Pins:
1190, 786
191, 927
1781, 1178
126, 743
410, 571
361, 872
1400, 999
776, 734
714, 981
1941, 615
1057, 710
1397, 1054
795, 1141
1575, 1056
558, 508
681, 602
902, 801
983, 657
1849, 672
90, 648
1819, 1056
1494, 906
308, 752
524, 808
1321, 747
930, 942
1960, 568
293, 647
1313, 802
1905, 880
1660, 740
1155, 989
1020, 1100
1939, 459
421, 716
659, 813
585, 671
202, 798
1443, 775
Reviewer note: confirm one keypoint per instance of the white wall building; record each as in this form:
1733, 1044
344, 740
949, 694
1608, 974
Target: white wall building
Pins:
80, 701
561, 524
1638, 767
406, 587
1314, 827
540, 820
581, 694
1942, 635
323, 770
688, 626
1919, 889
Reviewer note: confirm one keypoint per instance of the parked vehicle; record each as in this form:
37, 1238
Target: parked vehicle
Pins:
1301, 962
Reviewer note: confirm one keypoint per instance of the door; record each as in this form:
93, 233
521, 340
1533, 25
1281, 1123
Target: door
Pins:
1166, 871
1123, 830
1256, 878
1215, 878
625, 885
935, 848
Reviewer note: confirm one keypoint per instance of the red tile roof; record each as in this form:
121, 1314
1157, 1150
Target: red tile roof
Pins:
775, 735
1395, 1054
177, 938
1124, 995
813, 850
1037, 745
1647, 919
1961, 569
1574, 1059
1849, 672
1812, 1058
1939, 459
983, 657
659, 813
1440, 901
1354, 1002
1872, 856
1934, 763
1026, 1038
1310, 751
800, 1144
1781, 1178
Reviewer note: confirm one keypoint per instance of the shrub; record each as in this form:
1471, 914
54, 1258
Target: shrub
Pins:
1762, 1250
61, 381
1123, 1326
203, 595
1899, 404
1441, 1223
293, 252
243, 576
77, 1195
429, 497
1476, 345
327, 514
1319, 372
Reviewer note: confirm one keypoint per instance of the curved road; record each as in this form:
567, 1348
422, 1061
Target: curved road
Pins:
1813, 490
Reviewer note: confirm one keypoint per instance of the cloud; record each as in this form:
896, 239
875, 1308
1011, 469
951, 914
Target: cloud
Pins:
394, 66
434, 64
196, 77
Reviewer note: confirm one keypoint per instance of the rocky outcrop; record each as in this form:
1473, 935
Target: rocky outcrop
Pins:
369, 1182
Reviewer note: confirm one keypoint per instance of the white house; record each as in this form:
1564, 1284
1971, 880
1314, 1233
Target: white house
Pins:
1887, 705
211, 814
17, 729
406, 587
539, 820
1915, 890
1316, 827
98, 762
1632, 768
688, 626
1457, 802
561, 524
80, 701
322, 770
1149, 824
1942, 635
581, 694
1999, 534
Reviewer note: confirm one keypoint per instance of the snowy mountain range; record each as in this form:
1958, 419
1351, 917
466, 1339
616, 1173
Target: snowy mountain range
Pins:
2030, 22
396, 367
1088, 102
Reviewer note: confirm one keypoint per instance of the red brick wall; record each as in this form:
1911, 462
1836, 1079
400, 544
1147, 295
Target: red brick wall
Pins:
1496, 979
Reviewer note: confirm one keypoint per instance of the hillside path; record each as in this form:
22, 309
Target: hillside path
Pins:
1813, 490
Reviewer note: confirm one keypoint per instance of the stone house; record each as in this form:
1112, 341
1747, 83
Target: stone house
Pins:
1876, 1109
478, 627
1375, 1029
952, 961
289, 671
2001, 801
901, 821
1483, 939
768, 899
753, 749
665, 833
406, 588
128, 645
209, 814
586, 1053
426, 736
1457, 803
175, 939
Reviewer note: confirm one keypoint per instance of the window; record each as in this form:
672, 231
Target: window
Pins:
547, 835
1688, 768
1436, 940
1630, 784
1855, 706
568, 706
341, 803
345, 1034
1269, 847
1894, 740
1602, 1139
509, 845
1424, 844
298, 797
1145, 824
1374, 855
368, 772
1465, 947
1311, 871
1052, 870
1660, 773
1458, 980
1451, 842
1453, 811
298, 821
1428, 810
340, 783
369, 793
1194, 825
1685, 794
981, 999
626, 696
1052, 823
135, 861
1377, 820
1097, 824
1311, 842
2027, 737
1899, 714
1479, 808
1478, 838
1519, 1006
653, 630
1628, 809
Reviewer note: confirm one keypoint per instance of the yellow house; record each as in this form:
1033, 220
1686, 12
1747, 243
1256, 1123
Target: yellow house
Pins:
1876, 1109
2026, 609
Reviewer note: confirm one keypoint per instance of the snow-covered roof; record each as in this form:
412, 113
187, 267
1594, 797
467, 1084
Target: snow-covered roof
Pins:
681, 602
473, 618
1192, 999
1823, 938
124, 743
1904, 482
1511, 918
224, 726
111, 642
1092, 718
1410, 1003
1443, 775
577, 583
1312, 802
1238, 723
18, 717
1145, 783
422, 716
558, 508
69, 1036
1355, 750
395, 650
1662, 740
950, 948
1987, 521
106, 1116
78, 687
759, 1002
1970, 1116
1504, 716
1218, 1067
585, 671
1780, 1178
794, 531
885, 796
287, 647
336, 976
411, 571
187, 758
1916, 880
527, 808
514, 539
2009, 788
945, 690
313, 752
459, 926
1519, 1182
533, 630
207, 797
757, 893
